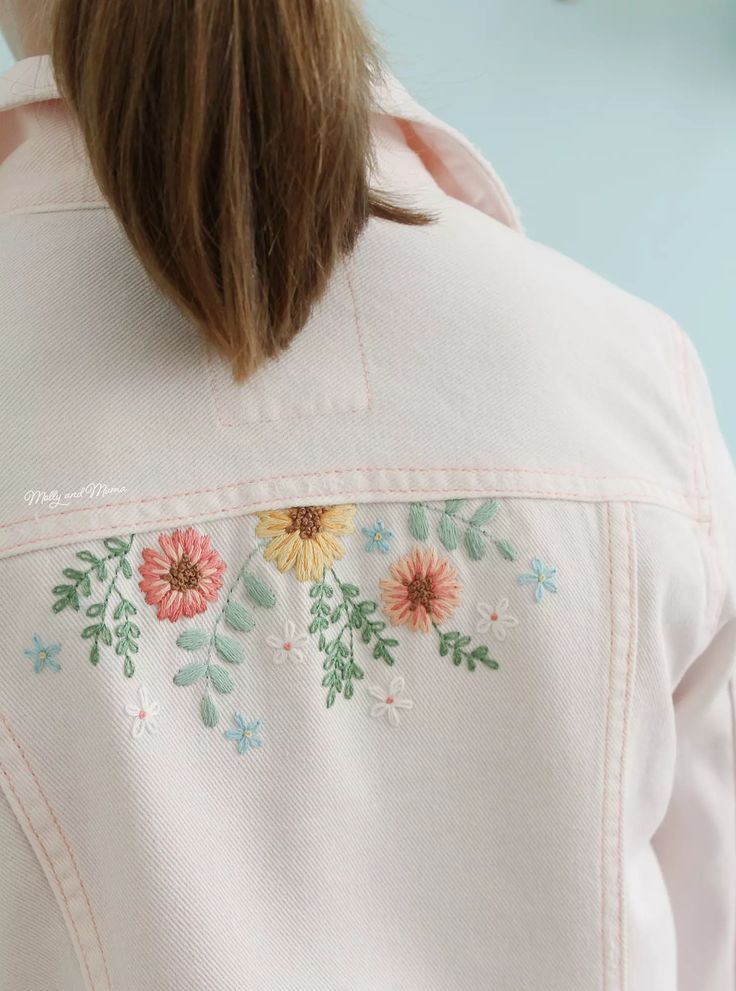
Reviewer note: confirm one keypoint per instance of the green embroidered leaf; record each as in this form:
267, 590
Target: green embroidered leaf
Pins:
453, 505
209, 711
419, 521
88, 557
238, 617
259, 591
189, 674
90, 631
96, 609
124, 608
105, 635
128, 667
101, 571
72, 573
331, 697
116, 546
126, 568
85, 586
192, 639
485, 513
349, 591
67, 597
505, 550
127, 629
228, 650
474, 543
221, 679
447, 530
94, 654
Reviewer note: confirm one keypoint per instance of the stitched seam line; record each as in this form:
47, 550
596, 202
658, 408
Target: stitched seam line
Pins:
62, 836
625, 743
673, 493
52, 867
359, 408
606, 745
212, 514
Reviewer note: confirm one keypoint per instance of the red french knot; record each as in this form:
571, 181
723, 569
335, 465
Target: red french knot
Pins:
494, 617
287, 646
390, 700
142, 714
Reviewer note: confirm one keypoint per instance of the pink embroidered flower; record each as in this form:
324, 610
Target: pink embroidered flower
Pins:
183, 576
423, 589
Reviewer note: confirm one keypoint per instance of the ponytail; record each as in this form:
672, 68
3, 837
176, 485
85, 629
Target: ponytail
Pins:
232, 140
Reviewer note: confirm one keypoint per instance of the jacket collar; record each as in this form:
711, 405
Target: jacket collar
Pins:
457, 167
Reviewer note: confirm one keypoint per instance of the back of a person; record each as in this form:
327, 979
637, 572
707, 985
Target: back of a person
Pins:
405, 663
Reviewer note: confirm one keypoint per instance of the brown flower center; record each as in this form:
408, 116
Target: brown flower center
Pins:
420, 592
184, 575
307, 520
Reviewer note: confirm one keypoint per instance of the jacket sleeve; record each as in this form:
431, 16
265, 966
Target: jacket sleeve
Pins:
696, 843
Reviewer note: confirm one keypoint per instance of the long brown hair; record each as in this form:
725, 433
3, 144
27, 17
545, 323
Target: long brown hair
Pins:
232, 140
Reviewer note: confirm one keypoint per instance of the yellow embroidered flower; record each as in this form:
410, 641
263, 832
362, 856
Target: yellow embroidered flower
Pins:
305, 537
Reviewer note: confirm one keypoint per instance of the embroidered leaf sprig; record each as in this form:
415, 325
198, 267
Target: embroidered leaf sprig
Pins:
350, 617
451, 526
237, 617
458, 646
107, 571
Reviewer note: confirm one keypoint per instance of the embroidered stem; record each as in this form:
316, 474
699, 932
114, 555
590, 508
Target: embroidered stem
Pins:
456, 644
449, 518
237, 617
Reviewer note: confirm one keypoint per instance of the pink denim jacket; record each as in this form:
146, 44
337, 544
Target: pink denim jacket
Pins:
406, 665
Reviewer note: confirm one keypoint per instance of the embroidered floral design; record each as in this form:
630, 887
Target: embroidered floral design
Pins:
237, 617
542, 577
423, 590
183, 576
109, 571
43, 657
390, 701
337, 624
305, 538
450, 522
246, 735
496, 618
143, 715
378, 537
289, 647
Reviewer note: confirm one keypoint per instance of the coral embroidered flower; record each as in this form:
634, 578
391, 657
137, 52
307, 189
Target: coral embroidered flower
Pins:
423, 589
183, 576
288, 647
543, 579
143, 715
246, 735
378, 537
496, 618
390, 701
43, 657
305, 537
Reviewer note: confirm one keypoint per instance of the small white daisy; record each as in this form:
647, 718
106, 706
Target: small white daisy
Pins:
290, 646
390, 701
496, 618
144, 714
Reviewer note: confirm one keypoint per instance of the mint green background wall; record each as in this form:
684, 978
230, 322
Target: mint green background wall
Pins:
613, 123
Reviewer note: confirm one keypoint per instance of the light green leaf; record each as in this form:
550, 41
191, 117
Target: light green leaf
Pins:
209, 712
259, 591
505, 550
474, 543
192, 639
189, 674
447, 530
238, 617
419, 521
221, 679
453, 505
126, 568
228, 650
485, 513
